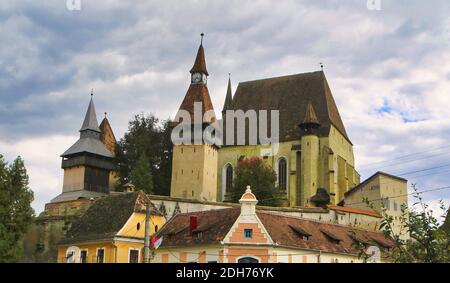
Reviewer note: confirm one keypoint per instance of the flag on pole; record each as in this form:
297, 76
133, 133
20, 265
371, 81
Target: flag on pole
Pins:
156, 242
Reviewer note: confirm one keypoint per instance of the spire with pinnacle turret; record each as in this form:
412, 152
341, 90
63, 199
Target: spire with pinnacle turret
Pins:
228, 104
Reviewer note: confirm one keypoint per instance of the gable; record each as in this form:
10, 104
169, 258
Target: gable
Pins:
248, 222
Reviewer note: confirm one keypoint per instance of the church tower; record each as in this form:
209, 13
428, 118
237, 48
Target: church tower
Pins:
194, 164
309, 157
87, 164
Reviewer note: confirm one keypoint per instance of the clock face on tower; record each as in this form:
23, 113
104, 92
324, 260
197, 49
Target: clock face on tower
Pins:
197, 78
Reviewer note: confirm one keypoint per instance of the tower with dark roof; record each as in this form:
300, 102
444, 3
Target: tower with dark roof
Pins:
88, 163
194, 162
309, 140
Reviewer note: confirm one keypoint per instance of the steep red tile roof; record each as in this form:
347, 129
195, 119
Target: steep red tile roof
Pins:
213, 225
197, 93
284, 230
200, 62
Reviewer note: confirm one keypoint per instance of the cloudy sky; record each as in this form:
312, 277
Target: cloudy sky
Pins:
388, 68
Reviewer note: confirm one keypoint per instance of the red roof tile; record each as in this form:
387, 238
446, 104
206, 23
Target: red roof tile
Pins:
284, 230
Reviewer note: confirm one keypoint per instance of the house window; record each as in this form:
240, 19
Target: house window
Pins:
388, 204
248, 233
100, 256
229, 178
134, 256
282, 174
83, 256
395, 205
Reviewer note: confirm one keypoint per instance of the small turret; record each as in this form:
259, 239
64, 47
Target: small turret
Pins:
310, 123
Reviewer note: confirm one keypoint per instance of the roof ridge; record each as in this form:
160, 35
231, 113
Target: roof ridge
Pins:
321, 222
281, 77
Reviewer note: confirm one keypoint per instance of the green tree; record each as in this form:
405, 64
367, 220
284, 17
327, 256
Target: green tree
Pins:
16, 213
141, 175
261, 177
428, 241
146, 135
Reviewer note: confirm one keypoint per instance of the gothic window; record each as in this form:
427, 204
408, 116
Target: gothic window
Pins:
229, 178
282, 174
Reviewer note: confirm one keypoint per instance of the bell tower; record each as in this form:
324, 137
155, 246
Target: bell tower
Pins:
194, 163
88, 163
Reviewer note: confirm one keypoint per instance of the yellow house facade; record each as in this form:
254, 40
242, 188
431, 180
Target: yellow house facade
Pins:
111, 231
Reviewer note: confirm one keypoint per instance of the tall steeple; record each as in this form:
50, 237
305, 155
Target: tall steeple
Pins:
198, 89
200, 62
89, 141
227, 105
90, 120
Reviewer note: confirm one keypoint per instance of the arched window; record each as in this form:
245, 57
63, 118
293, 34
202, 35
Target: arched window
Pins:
248, 260
282, 174
229, 178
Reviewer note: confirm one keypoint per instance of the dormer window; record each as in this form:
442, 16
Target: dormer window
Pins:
332, 237
302, 233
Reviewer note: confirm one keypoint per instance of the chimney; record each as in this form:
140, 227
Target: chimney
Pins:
248, 202
192, 223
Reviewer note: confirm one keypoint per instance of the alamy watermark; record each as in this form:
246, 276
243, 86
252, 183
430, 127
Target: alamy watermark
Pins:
374, 5
73, 5
240, 128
